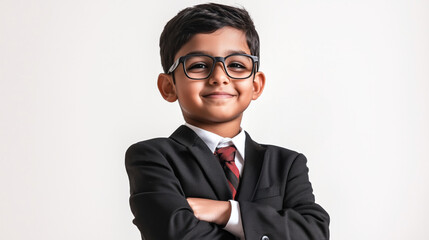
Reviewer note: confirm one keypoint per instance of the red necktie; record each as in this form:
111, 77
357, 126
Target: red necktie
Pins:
226, 157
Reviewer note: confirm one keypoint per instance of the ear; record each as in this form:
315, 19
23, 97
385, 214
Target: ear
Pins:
258, 85
166, 87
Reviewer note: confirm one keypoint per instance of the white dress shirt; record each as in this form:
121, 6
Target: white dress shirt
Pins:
214, 141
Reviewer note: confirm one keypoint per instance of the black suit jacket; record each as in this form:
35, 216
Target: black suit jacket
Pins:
275, 194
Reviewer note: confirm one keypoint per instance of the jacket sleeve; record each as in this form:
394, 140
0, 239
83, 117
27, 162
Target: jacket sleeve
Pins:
301, 218
157, 200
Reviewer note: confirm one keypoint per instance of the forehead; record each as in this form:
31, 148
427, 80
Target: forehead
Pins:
222, 42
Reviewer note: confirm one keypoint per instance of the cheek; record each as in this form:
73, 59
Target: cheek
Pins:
184, 86
189, 92
192, 89
245, 90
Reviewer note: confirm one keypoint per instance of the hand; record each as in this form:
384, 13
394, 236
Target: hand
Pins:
211, 210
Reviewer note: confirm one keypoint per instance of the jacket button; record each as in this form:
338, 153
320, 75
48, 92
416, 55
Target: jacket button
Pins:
265, 238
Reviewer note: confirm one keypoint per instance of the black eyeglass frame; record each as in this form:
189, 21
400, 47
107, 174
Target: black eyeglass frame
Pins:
182, 59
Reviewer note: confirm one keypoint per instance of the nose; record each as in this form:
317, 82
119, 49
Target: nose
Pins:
219, 75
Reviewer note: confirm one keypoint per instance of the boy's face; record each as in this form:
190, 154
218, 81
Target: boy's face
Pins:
218, 99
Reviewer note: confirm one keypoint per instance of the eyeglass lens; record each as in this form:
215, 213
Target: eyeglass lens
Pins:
236, 66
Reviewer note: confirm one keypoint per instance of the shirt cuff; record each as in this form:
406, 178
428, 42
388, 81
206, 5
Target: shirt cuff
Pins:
234, 225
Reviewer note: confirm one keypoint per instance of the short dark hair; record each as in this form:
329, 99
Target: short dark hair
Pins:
204, 18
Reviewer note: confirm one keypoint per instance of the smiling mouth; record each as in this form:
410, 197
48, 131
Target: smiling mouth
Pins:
219, 95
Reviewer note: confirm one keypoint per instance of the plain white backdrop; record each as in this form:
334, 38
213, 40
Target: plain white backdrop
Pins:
347, 85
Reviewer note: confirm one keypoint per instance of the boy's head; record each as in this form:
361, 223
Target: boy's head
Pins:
204, 18
209, 55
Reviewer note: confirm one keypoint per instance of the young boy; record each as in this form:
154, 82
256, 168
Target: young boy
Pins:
209, 179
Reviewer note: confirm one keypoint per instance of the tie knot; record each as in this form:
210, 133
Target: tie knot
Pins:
226, 154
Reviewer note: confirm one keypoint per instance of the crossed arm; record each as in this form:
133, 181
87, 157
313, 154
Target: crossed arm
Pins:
162, 210
208, 210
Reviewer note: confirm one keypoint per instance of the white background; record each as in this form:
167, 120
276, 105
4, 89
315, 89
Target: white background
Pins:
347, 85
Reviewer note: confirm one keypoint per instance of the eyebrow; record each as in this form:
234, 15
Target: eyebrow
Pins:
227, 53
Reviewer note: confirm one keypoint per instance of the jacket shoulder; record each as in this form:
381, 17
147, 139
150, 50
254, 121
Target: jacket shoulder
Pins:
154, 142
281, 152
152, 147
270, 149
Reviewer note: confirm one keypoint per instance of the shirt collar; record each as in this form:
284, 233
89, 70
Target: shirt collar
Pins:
213, 140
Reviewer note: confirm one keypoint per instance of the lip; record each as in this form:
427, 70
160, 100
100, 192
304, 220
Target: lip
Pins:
219, 95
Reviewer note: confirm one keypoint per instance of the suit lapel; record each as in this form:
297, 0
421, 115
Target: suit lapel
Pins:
205, 158
254, 157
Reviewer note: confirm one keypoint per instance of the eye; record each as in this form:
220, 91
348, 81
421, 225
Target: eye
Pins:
195, 67
236, 66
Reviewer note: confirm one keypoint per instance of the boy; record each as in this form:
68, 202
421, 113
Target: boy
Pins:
209, 179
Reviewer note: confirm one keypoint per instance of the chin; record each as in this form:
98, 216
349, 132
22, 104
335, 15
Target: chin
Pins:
225, 119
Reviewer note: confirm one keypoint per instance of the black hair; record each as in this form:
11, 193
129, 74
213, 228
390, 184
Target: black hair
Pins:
204, 18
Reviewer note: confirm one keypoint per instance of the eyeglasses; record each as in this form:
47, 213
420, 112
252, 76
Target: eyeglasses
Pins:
200, 66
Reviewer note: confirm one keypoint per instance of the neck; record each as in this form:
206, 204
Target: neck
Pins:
224, 129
